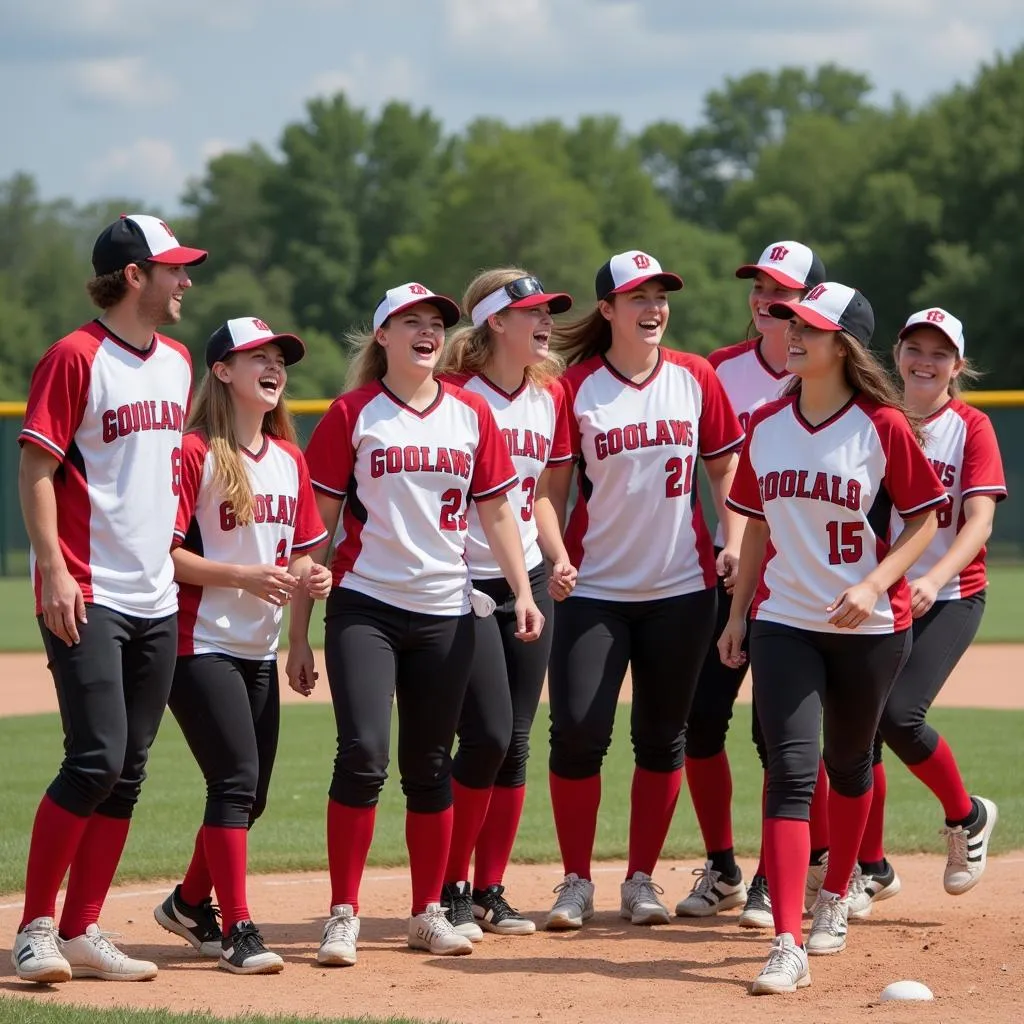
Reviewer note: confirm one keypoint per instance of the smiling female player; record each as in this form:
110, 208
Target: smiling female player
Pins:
821, 472
400, 457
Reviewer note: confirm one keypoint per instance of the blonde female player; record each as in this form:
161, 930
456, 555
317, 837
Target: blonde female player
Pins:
406, 454
947, 589
821, 472
640, 417
752, 373
247, 521
503, 357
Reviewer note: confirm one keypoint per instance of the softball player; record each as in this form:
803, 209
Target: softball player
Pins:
406, 454
503, 357
947, 588
104, 419
640, 416
821, 472
752, 373
247, 521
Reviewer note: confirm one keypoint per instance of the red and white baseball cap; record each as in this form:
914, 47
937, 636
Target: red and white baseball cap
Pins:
248, 332
139, 238
831, 307
792, 264
412, 294
523, 293
628, 270
942, 321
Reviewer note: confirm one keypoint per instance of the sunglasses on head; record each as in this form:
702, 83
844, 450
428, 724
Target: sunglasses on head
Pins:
523, 288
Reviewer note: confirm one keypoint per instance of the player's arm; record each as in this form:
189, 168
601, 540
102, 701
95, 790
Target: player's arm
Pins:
752, 551
271, 583
549, 511
62, 603
721, 473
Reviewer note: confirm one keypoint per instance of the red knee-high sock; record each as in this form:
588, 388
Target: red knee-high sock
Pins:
498, 835
226, 850
819, 810
92, 871
942, 776
872, 846
760, 869
56, 835
349, 834
787, 847
197, 883
469, 809
428, 837
574, 803
847, 816
710, 783
652, 804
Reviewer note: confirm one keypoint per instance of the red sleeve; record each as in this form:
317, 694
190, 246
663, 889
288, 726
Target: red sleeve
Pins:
569, 384
330, 454
57, 394
719, 431
193, 458
561, 441
493, 472
982, 471
909, 478
745, 494
310, 531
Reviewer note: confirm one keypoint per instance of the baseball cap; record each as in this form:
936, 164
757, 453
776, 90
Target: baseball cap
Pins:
412, 294
628, 270
247, 332
831, 307
139, 238
792, 264
522, 293
941, 320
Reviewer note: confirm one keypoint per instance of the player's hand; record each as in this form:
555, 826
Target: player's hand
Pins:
852, 607
269, 583
730, 643
302, 676
63, 605
923, 594
318, 582
727, 565
562, 581
529, 620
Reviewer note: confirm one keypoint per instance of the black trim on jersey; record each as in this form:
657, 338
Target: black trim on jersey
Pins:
837, 415
141, 353
510, 395
193, 538
257, 456
782, 375
880, 514
75, 459
586, 485
637, 386
354, 504
938, 412
408, 408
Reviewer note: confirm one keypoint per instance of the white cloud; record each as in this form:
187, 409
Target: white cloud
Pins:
493, 20
122, 81
145, 167
210, 149
369, 81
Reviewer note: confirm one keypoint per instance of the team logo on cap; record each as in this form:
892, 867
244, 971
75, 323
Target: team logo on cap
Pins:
417, 289
816, 293
779, 252
642, 262
936, 316
260, 325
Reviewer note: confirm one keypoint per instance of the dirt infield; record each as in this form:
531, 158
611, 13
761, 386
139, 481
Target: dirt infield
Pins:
969, 951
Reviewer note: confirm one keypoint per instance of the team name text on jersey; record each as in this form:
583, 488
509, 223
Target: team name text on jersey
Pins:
423, 459
136, 416
793, 483
640, 435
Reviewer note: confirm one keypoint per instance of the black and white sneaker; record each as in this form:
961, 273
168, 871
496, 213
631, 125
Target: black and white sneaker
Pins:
867, 888
711, 894
494, 913
198, 925
243, 952
757, 912
457, 900
968, 848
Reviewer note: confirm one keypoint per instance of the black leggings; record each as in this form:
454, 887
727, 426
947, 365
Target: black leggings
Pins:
663, 641
804, 680
229, 710
505, 683
941, 636
112, 690
713, 700
374, 654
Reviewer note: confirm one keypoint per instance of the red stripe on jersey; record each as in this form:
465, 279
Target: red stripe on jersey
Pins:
189, 599
898, 593
763, 591
579, 520
351, 545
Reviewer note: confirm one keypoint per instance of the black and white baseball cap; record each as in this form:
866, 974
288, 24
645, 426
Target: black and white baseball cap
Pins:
792, 264
139, 238
412, 294
247, 332
831, 307
628, 270
940, 320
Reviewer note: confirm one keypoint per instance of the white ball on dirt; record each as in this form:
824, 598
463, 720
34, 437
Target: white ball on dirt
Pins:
906, 990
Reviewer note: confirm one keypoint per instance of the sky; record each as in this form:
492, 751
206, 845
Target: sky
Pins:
131, 98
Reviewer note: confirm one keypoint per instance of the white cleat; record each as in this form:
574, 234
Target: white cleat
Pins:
36, 955
786, 970
93, 955
829, 927
433, 932
968, 848
710, 895
574, 904
341, 933
640, 903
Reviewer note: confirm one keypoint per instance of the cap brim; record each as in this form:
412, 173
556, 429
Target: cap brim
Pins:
909, 329
448, 308
752, 270
672, 282
182, 256
787, 310
292, 347
558, 302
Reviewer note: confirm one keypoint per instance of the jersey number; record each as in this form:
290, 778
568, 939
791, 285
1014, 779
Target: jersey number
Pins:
679, 480
176, 472
451, 502
281, 555
529, 490
845, 542
945, 515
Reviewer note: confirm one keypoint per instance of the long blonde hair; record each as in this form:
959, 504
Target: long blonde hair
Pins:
369, 361
213, 415
470, 349
583, 337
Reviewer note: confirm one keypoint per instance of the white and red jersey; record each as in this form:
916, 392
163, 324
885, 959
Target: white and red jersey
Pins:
961, 444
749, 382
407, 479
535, 426
828, 493
636, 532
113, 416
285, 521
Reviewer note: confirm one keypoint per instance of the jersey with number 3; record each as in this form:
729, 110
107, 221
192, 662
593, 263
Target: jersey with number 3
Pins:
285, 521
827, 493
636, 532
961, 444
406, 478
112, 416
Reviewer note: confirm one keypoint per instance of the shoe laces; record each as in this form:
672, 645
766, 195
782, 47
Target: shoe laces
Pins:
495, 896
758, 889
435, 917
43, 940
956, 842
246, 938
706, 878
572, 890
211, 913
341, 928
101, 940
646, 889
784, 959
828, 916
461, 901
